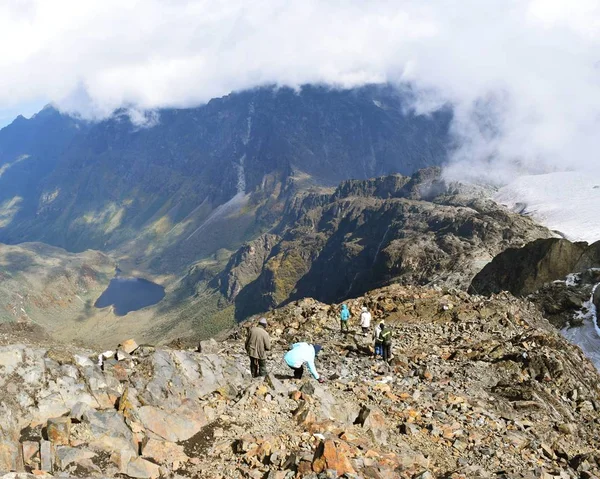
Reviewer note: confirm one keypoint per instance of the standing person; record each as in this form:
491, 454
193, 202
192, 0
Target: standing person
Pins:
303, 353
378, 340
344, 317
386, 338
365, 320
257, 345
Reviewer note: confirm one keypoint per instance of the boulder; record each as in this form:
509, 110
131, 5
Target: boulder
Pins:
374, 421
210, 346
142, 469
163, 452
59, 429
170, 427
46, 456
128, 346
9, 455
330, 455
65, 455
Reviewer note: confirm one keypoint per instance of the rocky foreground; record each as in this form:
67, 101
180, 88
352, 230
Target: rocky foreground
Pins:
477, 388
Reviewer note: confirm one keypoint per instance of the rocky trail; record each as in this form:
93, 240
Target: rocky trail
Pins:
478, 387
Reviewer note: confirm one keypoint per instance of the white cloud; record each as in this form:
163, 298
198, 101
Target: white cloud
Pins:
522, 75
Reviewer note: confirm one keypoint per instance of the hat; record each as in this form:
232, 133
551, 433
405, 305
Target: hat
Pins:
318, 348
262, 321
364, 308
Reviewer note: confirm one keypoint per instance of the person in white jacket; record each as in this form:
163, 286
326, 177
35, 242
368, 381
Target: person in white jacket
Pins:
365, 320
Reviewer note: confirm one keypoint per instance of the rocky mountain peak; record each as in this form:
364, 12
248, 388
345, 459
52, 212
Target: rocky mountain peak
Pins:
476, 388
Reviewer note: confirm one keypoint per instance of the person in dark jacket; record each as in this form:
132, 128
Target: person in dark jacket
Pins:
386, 338
378, 341
257, 345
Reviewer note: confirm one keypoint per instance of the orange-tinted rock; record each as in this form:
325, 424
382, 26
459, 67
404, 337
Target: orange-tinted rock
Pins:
329, 456
59, 429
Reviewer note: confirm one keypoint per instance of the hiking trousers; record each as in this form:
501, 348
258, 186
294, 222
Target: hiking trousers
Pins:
298, 372
343, 324
258, 367
387, 352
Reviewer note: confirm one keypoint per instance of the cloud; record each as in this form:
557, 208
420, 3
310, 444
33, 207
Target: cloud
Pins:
522, 75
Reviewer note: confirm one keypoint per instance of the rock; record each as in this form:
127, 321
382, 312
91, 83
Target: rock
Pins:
330, 455
276, 385
109, 431
9, 455
31, 452
374, 421
163, 452
65, 455
567, 428
46, 456
128, 346
210, 346
143, 469
170, 427
122, 458
59, 429
409, 429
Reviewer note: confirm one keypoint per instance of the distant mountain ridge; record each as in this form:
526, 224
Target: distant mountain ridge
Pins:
144, 192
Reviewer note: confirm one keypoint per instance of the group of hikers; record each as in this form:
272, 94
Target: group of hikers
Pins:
258, 343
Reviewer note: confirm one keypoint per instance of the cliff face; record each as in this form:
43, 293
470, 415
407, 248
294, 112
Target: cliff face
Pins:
539, 262
477, 388
415, 230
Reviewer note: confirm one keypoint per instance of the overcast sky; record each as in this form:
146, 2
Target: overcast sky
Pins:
523, 76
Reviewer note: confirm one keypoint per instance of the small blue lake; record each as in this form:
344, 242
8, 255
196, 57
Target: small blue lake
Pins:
130, 294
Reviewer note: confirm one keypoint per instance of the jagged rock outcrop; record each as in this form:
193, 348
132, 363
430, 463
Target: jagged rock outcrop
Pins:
416, 230
478, 387
537, 263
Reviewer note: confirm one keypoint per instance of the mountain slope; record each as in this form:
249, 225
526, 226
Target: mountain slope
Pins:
200, 179
484, 388
416, 230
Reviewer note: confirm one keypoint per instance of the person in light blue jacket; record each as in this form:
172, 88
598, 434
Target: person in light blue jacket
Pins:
344, 317
303, 353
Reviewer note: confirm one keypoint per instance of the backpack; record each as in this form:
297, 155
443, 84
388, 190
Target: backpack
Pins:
386, 335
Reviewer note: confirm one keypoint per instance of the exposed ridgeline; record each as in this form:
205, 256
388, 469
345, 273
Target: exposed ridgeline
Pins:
181, 187
368, 233
478, 388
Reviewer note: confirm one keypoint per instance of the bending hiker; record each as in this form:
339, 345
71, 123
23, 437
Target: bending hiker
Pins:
378, 340
365, 320
257, 345
344, 317
303, 353
386, 338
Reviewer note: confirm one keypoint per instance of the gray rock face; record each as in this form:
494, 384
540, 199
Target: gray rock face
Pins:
524, 270
413, 230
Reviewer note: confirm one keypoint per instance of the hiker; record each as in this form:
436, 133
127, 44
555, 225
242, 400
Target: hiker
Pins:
378, 340
344, 317
303, 353
257, 345
386, 338
365, 320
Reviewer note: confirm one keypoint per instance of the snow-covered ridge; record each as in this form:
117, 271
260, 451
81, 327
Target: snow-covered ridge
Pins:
567, 202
